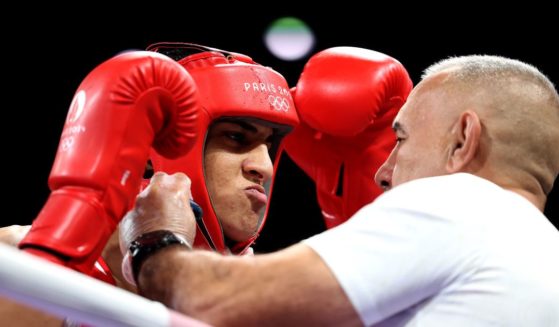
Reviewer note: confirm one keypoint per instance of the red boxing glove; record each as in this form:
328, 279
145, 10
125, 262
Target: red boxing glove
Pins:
346, 99
122, 108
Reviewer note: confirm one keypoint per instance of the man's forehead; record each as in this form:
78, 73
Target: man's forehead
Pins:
416, 103
400, 121
425, 102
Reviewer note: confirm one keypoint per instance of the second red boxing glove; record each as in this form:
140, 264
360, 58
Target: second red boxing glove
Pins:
346, 99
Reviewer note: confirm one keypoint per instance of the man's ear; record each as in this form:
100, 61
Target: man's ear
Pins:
466, 142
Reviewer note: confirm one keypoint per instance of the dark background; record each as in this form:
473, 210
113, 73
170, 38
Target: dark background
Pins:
44, 65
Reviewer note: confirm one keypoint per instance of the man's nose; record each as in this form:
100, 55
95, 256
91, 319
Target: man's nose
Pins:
383, 177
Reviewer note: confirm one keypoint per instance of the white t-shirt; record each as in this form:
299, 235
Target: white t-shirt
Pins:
453, 250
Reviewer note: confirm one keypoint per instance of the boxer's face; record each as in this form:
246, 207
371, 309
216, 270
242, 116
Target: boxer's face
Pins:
237, 165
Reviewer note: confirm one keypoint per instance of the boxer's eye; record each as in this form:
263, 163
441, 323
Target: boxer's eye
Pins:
237, 137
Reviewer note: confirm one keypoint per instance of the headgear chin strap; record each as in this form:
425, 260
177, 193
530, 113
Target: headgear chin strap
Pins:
231, 86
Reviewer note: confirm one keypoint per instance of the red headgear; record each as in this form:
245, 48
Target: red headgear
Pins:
231, 86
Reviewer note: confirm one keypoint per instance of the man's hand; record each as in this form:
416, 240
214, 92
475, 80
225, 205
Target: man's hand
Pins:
163, 205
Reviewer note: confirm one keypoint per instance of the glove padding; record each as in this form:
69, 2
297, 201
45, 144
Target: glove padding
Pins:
122, 108
346, 99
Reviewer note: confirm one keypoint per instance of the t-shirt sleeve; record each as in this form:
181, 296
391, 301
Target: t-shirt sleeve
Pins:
395, 252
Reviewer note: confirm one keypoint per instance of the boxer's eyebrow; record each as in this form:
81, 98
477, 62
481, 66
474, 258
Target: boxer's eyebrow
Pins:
242, 124
246, 126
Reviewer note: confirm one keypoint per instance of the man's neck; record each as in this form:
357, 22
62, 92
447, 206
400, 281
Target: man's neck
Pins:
535, 199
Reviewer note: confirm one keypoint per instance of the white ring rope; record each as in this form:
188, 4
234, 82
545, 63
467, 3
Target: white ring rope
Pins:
68, 294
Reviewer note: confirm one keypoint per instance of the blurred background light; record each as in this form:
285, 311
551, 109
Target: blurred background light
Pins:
289, 38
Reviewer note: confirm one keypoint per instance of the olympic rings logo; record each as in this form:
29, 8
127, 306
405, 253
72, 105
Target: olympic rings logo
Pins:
279, 103
67, 143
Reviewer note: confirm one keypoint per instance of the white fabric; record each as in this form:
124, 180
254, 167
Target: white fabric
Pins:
447, 251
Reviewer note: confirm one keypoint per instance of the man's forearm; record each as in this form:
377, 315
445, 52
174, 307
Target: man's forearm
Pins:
158, 275
286, 287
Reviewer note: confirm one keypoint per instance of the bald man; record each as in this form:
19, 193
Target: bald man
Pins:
459, 238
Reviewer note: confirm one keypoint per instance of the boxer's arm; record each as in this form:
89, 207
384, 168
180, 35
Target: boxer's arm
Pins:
290, 287
12, 235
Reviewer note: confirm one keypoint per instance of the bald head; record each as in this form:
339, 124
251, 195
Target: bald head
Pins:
519, 112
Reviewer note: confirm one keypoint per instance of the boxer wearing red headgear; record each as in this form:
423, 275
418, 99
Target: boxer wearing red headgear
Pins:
235, 94
244, 106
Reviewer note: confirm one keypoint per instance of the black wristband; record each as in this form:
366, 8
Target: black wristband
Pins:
149, 243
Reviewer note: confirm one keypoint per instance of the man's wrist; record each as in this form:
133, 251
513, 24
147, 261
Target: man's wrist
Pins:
150, 243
